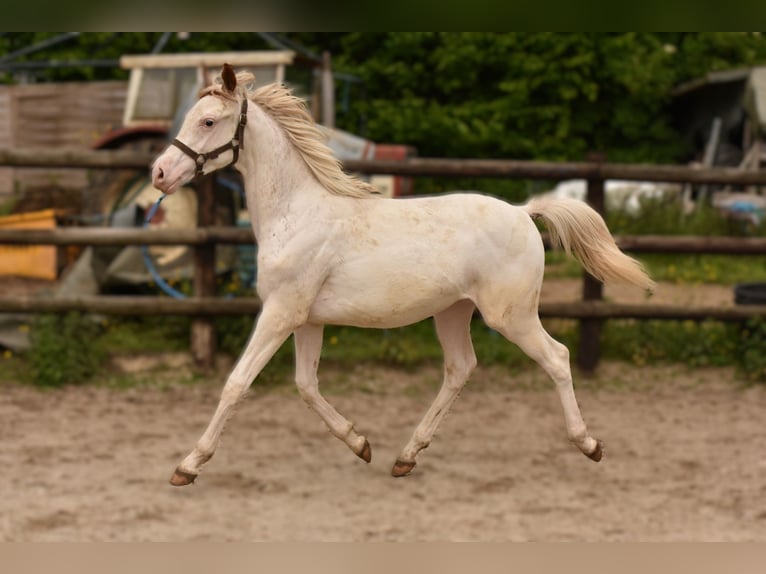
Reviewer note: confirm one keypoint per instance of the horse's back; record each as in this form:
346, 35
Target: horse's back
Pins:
454, 211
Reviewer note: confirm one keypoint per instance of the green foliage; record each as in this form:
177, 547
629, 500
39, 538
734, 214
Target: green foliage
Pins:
65, 349
537, 95
528, 95
145, 334
7, 206
697, 269
70, 349
696, 344
405, 347
701, 52
233, 333
665, 216
751, 350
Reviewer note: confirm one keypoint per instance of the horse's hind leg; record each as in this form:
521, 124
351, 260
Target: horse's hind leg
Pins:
453, 326
308, 346
528, 333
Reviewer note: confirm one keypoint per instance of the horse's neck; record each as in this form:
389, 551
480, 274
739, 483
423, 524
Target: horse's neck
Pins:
278, 184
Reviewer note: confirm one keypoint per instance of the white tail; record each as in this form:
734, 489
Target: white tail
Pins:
582, 232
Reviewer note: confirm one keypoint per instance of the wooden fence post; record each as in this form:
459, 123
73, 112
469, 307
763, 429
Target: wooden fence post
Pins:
203, 335
589, 352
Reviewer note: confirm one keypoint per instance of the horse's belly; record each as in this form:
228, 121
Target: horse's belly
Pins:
386, 304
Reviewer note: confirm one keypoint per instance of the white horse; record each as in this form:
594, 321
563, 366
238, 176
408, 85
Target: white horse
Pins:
331, 251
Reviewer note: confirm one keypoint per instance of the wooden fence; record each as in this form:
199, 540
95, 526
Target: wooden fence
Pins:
203, 305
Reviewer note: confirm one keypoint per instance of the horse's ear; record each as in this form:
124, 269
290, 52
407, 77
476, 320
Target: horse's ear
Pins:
229, 78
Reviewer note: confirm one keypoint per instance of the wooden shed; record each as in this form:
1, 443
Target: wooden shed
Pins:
723, 116
53, 116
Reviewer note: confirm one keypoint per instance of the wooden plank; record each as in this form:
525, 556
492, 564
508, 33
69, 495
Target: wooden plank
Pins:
126, 236
213, 306
77, 158
235, 235
692, 244
6, 141
555, 170
203, 334
613, 311
127, 305
208, 59
74, 158
6, 181
589, 352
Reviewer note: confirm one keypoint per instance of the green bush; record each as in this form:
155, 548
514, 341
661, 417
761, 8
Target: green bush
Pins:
751, 350
665, 216
64, 349
696, 344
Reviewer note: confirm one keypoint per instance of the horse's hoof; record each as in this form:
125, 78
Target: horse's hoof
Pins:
181, 478
597, 453
402, 468
366, 454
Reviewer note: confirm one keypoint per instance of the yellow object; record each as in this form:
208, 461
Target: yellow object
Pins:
38, 261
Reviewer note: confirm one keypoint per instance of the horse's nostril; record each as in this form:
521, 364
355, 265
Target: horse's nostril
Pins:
160, 173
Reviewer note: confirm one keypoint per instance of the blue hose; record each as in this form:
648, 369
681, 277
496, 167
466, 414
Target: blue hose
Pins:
161, 283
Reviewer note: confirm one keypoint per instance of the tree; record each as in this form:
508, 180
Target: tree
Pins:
529, 95
520, 95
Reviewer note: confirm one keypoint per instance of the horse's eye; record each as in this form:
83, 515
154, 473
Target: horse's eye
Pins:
209, 123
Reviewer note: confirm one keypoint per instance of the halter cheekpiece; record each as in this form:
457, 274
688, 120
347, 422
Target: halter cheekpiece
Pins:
235, 144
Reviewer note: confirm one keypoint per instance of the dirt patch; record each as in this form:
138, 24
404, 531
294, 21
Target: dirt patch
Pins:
566, 290
685, 461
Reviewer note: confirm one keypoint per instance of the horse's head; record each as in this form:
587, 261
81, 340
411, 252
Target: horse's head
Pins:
209, 139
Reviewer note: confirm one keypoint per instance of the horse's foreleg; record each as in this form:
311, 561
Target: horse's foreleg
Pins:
453, 326
308, 346
271, 330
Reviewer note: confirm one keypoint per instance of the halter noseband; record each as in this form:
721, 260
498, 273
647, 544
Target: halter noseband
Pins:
235, 144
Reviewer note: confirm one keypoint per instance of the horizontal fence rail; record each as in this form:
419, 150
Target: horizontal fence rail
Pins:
127, 305
438, 167
76, 158
692, 244
603, 310
244, 236
520, 169
127, 236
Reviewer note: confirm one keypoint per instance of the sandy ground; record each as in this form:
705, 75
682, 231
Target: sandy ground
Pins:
685, 458
685, 461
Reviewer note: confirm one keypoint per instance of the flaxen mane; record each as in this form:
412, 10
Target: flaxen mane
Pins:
291, 114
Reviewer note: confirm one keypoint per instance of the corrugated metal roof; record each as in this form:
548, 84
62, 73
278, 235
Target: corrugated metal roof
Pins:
755, 98
719, 77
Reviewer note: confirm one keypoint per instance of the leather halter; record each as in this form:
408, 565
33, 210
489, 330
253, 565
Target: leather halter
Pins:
235, 144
